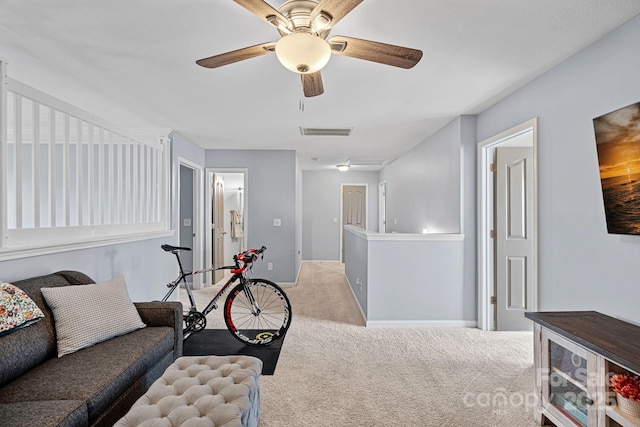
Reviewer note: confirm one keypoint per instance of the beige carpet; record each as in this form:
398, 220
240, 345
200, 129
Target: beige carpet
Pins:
333, 371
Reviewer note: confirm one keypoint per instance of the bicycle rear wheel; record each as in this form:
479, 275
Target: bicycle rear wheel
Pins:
258, 312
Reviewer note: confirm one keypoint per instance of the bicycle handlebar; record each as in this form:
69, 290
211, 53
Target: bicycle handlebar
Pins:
249, 256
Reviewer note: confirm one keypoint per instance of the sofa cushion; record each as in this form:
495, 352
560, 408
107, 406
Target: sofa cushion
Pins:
37, 342
88, 314
98, 374
17, 310
51, 413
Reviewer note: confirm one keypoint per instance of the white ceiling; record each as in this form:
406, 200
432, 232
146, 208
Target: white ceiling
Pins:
132, 63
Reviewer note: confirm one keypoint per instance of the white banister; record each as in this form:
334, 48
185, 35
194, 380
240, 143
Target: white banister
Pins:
68, 179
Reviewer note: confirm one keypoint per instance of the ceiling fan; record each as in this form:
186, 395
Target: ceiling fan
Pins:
304, 48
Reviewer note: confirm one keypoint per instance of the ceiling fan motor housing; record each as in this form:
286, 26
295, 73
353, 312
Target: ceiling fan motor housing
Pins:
299, 14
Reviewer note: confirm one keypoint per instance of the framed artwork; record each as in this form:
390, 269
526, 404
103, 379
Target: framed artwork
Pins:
618, 143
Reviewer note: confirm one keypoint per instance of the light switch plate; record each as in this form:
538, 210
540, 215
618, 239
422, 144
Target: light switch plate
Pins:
277, 222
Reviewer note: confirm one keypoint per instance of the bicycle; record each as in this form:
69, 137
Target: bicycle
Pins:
257, 311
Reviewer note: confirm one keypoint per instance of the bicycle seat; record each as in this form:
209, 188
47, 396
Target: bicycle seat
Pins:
169, 248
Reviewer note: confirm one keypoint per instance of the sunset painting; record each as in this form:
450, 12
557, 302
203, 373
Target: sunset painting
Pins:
618, 144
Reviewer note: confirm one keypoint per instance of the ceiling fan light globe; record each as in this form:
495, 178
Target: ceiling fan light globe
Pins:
343, 167
303, 53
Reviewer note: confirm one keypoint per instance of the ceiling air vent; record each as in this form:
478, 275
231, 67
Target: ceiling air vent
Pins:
325, 131
368, 162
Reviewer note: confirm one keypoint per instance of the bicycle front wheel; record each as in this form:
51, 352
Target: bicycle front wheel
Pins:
257, 312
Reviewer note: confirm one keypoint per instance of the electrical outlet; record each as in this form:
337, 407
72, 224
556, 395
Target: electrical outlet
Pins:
269, 266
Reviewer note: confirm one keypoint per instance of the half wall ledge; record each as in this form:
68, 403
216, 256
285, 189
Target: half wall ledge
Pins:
407, 280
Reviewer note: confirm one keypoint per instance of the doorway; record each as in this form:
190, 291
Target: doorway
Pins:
226, 217
507, 228
354, 209
190, 224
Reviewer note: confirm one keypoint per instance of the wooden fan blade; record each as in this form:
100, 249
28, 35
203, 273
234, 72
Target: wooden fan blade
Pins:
236, 55
336, 9
396, 56
312, 84
263, 11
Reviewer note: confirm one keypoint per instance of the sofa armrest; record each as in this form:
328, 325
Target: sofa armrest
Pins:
157, 313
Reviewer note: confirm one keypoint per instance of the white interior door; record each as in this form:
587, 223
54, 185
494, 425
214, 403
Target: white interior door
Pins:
218, 226
354, 208
515, 234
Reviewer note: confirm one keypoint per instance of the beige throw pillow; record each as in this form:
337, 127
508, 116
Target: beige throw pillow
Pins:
88, 314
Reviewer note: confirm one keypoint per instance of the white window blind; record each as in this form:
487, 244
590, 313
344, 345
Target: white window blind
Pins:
70, 178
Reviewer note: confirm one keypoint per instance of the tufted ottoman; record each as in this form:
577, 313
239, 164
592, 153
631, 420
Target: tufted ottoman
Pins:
201, 391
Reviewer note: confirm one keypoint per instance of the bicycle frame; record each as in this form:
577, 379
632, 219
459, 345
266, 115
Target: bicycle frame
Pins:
256, 311
238, 271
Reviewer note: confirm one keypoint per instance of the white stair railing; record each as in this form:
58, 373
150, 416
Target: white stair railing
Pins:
68, 177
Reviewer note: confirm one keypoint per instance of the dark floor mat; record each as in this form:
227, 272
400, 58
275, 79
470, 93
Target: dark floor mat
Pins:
220, 342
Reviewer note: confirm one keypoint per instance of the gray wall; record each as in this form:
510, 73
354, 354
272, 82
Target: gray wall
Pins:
186, 212
581, 266
298, 247
423, 185
271, 194
469, 186
143, 264
321, 195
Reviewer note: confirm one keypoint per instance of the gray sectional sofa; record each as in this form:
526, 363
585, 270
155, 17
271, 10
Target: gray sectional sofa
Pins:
94, 386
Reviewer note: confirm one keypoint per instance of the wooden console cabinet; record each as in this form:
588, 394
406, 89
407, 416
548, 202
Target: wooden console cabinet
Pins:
574, 355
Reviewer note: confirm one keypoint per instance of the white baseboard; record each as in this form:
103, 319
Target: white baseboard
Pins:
422, 324
286, 284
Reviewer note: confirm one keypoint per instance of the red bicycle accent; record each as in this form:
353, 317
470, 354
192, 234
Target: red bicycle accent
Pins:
227, 311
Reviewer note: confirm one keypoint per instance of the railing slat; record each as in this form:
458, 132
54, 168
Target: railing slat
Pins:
52, 167
18, 157
127, 183
90, 173
79, 172
36, 164
67, 172
135, 194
